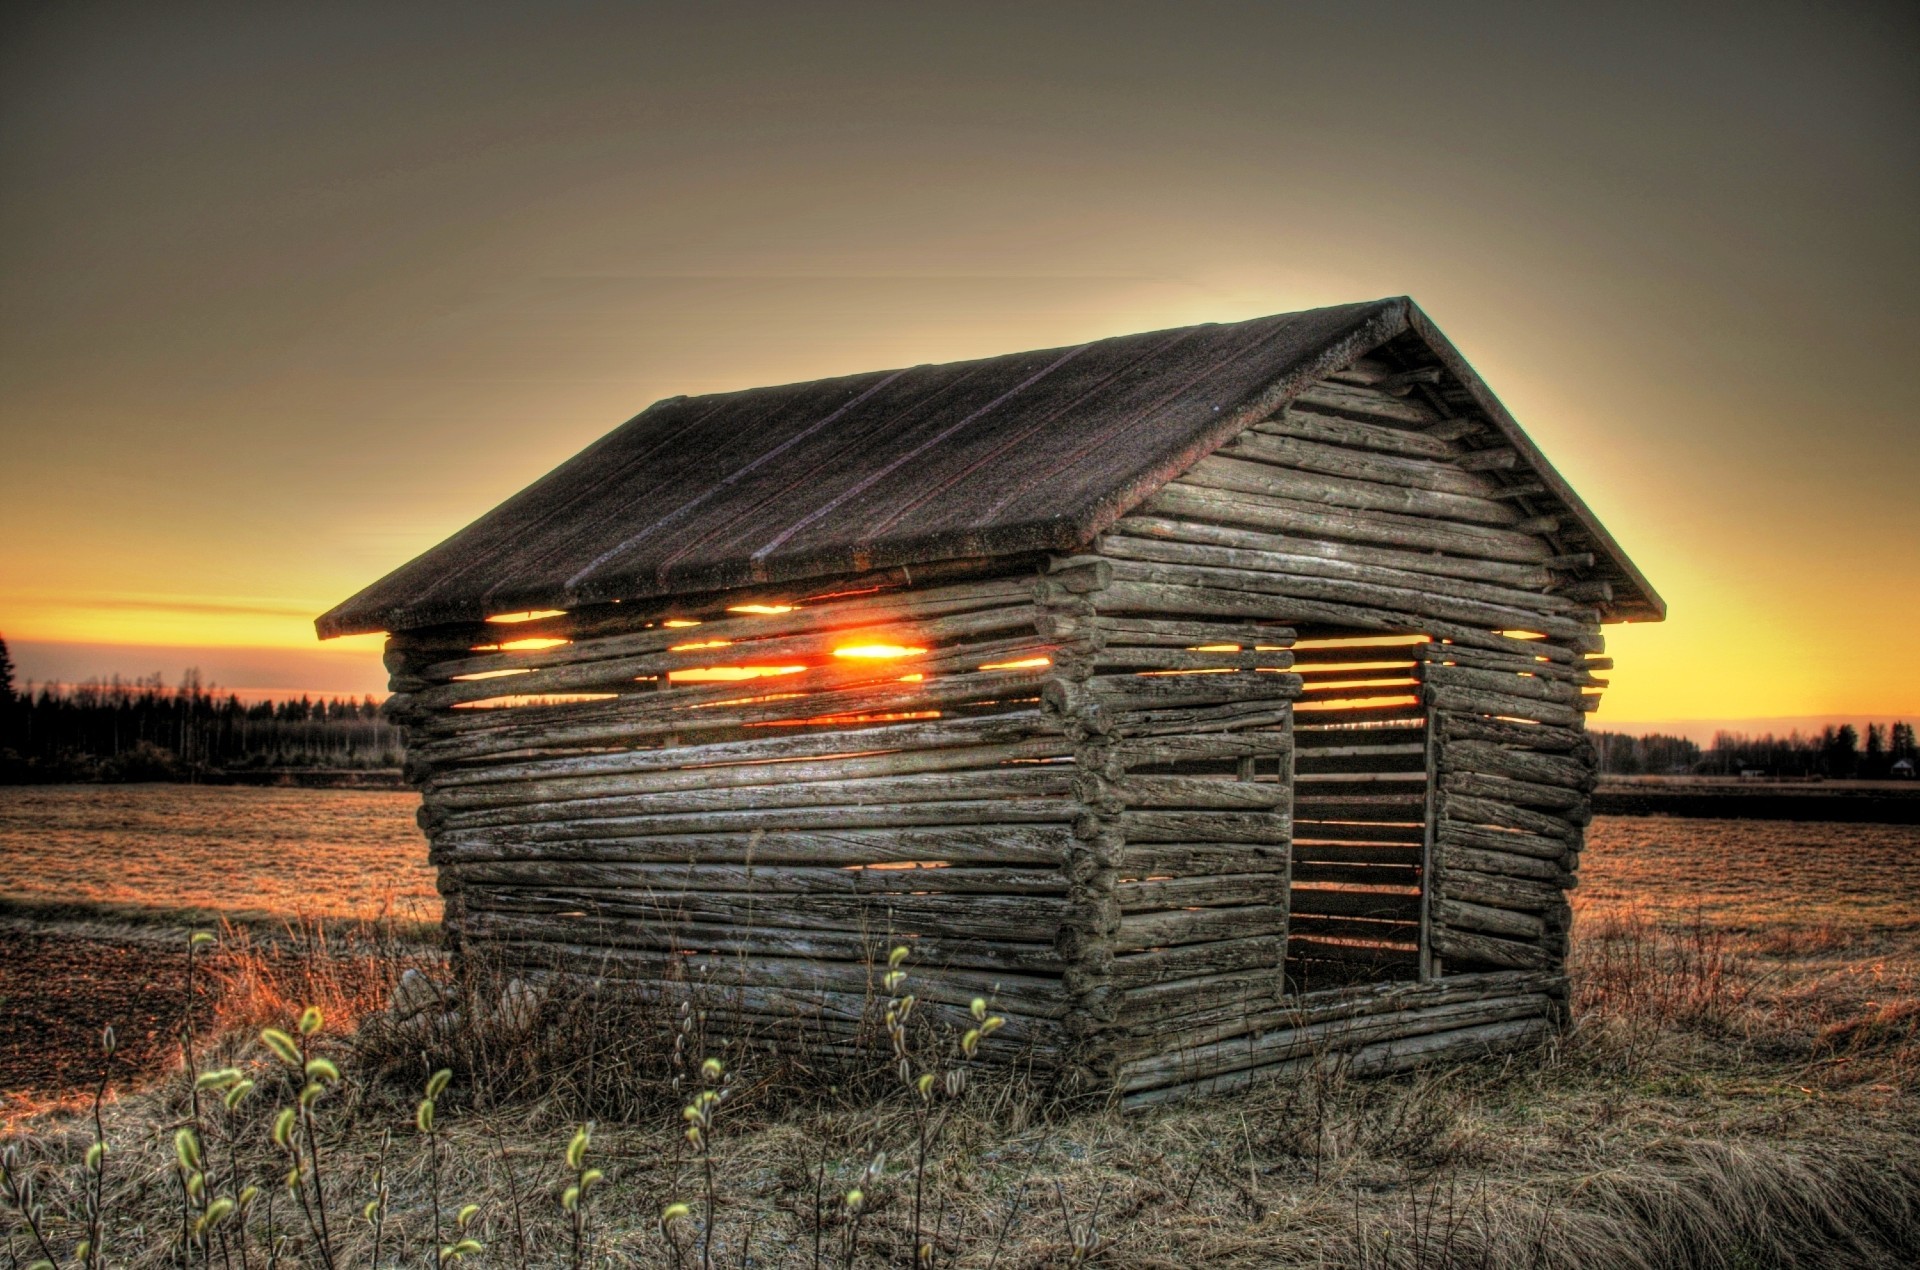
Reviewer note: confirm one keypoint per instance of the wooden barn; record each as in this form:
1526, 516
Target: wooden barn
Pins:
1211, 698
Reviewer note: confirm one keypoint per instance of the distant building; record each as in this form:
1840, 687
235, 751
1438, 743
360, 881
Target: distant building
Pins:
1212, 698
1902, 769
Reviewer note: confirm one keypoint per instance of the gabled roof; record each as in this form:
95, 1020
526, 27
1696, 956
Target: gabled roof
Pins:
1025, 452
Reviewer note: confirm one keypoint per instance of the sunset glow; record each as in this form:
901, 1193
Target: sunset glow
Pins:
300, 352
729, 674
877, 652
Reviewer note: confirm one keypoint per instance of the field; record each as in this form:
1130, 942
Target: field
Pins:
1739, 1091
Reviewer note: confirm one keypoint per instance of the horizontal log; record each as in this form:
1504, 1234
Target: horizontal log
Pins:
1140, 931
1252, 828
1248, 1053
1487, 920
1231, 889
1130, 658
1211, 600
1355, 434
1030, 995
1137, 751
840, 847
1505, 815
776, 747
665, 881
1453, 832
1336, 460
1312, 518
1529, 577
1012, 781
863, 947
1481, 659
1465, 599
1488, 759
1265, 480
1496, 457
1190, 792
1571, 803
1109, 632
1500, 862
1497, 890
1367, 403
984, 811
1533, 736
1033, 919
1193, 859
745, 776
1489, 950
1530, 687
1111, 694
1267, 948
1481, 701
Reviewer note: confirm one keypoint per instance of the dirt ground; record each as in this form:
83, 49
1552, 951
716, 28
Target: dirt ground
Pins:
59, 988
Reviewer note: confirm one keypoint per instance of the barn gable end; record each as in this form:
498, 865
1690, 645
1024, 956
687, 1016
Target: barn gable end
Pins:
1242, 721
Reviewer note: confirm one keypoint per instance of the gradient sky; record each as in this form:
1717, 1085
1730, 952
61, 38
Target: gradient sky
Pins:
289, 293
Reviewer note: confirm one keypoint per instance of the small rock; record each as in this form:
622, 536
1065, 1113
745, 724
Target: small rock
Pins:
414, 994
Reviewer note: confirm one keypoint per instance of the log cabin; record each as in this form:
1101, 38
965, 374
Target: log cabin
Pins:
1212, 699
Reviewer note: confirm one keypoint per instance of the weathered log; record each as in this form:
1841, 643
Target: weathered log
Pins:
1140, 931
1481, 701
780, 747
1367, 403
1569, 803
1185, 859
1464, 915
1030, 844
863, 947
1206, 599
1354, 434
1172, 529
1452, 942
1185, 894
1461, 599
1497, 890
1248, 1053
1015, 918
1533, 736
1286, 515
982, 811
665, 881
743, 776
1530, 687
1159, 965
1335, 460
1454, 832
1253, 828
1499, 862
1241, 476
1014, 782
1482, 659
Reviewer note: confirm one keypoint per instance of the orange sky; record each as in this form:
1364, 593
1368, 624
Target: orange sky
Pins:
285, 299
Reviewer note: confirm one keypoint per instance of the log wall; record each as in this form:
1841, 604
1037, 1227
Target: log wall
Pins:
1438, 764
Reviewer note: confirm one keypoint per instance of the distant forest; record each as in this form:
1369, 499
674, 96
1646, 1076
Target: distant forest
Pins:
1838, 753
142, 729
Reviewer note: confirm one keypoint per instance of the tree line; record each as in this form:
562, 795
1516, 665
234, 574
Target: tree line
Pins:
143, 729
1840, 752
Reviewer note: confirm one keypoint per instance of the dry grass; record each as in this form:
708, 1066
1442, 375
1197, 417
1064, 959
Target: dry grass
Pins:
1736, 1093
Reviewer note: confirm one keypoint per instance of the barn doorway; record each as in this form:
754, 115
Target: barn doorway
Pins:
1362, 806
